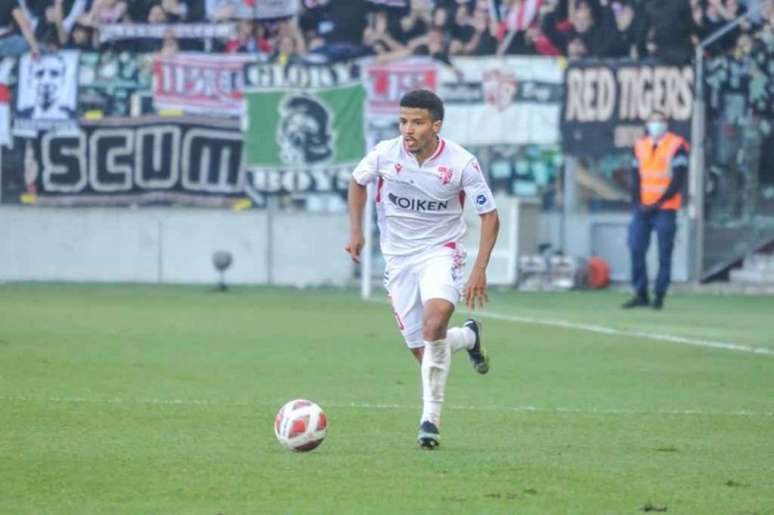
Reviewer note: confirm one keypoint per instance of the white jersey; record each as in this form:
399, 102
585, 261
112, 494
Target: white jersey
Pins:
420, 207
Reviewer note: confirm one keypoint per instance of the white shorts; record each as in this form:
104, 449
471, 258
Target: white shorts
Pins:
413, 280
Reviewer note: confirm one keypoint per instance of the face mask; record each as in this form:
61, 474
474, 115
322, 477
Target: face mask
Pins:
656, 129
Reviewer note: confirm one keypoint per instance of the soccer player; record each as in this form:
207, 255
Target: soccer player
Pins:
422, 183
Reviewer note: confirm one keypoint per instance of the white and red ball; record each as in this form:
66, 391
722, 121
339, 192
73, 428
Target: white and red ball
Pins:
300, 425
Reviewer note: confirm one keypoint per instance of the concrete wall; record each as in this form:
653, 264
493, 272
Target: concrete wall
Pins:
171, 246
605, 235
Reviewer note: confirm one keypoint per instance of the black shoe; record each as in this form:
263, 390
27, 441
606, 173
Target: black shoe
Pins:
638, 301
429, 437
478, 354
658, 302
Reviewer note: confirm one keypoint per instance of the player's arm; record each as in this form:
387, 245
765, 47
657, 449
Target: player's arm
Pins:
475, 290
477, 190
356, 199
365, 172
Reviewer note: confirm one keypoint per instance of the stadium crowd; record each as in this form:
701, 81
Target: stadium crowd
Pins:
330, 30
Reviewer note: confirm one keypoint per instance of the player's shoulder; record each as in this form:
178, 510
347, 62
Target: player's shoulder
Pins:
386, 146
457, 153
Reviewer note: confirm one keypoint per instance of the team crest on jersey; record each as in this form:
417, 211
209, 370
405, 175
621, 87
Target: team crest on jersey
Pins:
398, 168
446, 174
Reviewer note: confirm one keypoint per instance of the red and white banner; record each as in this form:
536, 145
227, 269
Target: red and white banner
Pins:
200, 83
386, 83
5, 102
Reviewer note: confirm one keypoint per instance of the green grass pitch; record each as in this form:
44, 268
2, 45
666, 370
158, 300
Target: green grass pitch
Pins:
118, 399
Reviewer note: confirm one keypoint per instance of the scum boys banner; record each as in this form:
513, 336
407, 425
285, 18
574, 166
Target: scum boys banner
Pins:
200, 83
514, 100
129, 161
46, 94
303, 140
607, 103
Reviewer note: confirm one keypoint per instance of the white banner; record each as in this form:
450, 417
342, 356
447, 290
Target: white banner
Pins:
47, 93
275, 8
513, 100
116, 31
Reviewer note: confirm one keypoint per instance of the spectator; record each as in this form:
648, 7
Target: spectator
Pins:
483, 40
81, 37
378, 37
340, 25
245, 40
672, 31
718, 14
16, 34
170, 46
418, 21
589, 32
517, 17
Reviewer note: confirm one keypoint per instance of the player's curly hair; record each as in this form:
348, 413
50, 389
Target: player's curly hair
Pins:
424, 99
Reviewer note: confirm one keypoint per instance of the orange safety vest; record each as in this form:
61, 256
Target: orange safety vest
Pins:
655, 164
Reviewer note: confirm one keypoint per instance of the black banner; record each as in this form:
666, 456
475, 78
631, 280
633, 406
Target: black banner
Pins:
607, 103
130, 161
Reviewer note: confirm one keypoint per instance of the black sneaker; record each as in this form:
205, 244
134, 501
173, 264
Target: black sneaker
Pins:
429, 437
658, 302
638, 301
478, 355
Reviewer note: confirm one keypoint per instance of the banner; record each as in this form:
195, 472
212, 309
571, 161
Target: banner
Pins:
515, 100
6, 65
303, 140
386, 83
265, 9
200, 83
115, 84
607, 103
118, 31
131, 161
46, 93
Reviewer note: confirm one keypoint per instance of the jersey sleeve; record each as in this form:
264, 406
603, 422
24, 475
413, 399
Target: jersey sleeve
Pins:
367, 169
476, 189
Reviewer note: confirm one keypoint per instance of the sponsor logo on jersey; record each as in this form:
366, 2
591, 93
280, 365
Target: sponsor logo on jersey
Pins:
481, 199
417, 204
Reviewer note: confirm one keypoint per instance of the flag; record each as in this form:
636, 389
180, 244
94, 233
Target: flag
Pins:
521, 16
300, 130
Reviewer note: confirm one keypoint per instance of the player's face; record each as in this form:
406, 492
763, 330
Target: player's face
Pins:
418, 129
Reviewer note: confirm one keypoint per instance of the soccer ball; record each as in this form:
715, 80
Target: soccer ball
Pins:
300, 425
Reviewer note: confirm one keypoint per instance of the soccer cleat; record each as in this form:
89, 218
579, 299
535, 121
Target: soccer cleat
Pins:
638, 301
658, 302
478, 355
429, 437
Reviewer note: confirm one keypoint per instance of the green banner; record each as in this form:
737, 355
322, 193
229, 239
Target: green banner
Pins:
303, 132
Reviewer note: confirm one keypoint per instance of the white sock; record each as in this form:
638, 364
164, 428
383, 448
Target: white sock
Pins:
460, 338
436, 362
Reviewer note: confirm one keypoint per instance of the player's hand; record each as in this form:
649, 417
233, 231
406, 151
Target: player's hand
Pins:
355, 245
475, 290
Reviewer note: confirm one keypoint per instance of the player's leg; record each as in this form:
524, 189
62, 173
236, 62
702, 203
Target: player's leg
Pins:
440, 288
436, 363
403, 293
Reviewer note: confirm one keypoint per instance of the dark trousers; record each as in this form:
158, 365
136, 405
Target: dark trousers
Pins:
663, 222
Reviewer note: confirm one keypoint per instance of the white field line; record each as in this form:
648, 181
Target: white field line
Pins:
383, 406
610, 331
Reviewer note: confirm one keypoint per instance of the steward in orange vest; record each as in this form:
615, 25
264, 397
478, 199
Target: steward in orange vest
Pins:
659, 175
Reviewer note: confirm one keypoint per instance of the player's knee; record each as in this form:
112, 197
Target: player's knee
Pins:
434, 328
